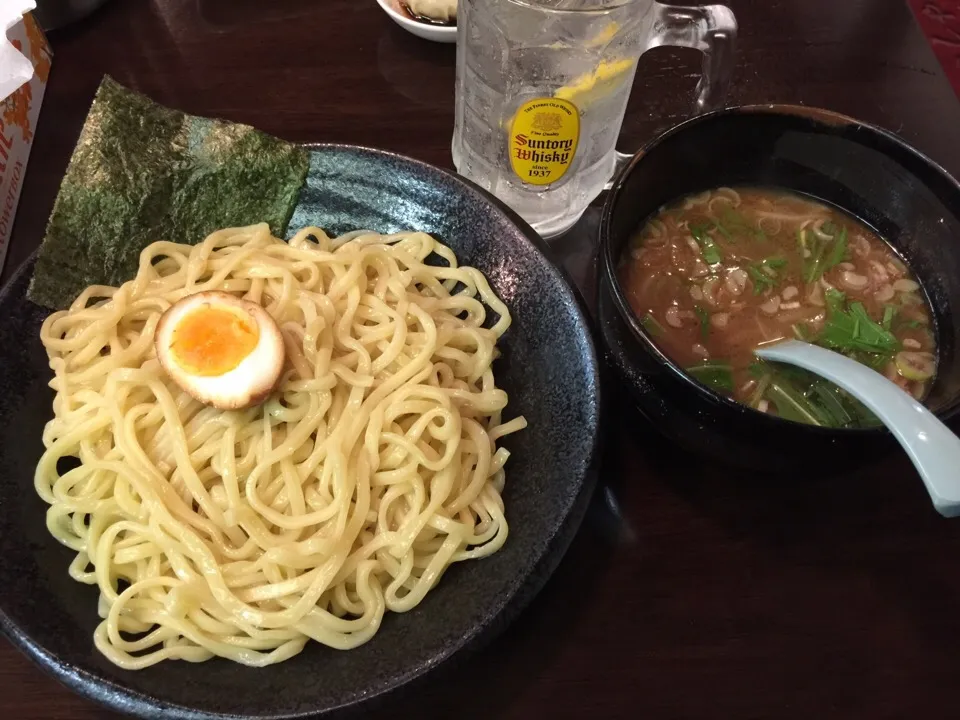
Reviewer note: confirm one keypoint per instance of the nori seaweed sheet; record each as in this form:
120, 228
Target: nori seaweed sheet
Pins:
141, 173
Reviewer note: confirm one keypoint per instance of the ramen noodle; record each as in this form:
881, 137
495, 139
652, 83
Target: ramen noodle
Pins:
371, 468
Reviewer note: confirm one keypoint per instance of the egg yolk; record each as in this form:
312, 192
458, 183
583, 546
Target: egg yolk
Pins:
211, 341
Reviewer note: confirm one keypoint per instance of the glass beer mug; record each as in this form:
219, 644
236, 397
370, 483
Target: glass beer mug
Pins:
542, 88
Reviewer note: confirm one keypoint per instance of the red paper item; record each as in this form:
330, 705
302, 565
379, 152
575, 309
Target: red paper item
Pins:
940, 22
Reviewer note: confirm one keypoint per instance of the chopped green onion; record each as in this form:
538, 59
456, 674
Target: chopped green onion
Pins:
774, 262
708, 246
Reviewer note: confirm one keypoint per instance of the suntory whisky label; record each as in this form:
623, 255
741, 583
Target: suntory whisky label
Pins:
543, 140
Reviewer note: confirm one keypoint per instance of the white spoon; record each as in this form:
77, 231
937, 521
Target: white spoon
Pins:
933, 448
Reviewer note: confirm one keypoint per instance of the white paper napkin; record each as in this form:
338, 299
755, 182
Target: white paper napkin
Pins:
15, 69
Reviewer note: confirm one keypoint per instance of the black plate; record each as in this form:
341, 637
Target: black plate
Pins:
548, 367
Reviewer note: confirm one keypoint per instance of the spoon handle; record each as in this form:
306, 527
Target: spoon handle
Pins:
933, 448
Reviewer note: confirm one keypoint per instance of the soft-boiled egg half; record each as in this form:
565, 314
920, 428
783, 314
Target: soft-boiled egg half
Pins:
224, 351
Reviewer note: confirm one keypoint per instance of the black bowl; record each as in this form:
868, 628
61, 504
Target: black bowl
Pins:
548, 367
872, 174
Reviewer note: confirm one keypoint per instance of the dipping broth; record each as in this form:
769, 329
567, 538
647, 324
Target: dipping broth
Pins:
717, 274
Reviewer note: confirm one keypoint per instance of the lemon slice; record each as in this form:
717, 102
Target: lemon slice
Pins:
596, 85
591, 86
605, 35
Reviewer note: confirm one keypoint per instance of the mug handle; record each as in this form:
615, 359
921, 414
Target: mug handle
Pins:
711, 29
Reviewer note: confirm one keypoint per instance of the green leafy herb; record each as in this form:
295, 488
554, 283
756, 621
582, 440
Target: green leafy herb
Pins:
827, 397
852, 329
716, 375
862, 416
761, 281
791, 403
835, 300
723, 231
757, 395
758, 368
801, 396
824, 254
889, 312
837, 253
708, 246
796, 375
913, 324
813, 266
651, 325
142, 172
875, 361
764, 273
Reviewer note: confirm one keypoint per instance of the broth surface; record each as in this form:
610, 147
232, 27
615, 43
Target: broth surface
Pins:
717, 274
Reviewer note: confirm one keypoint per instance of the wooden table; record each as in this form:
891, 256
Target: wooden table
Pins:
691, 591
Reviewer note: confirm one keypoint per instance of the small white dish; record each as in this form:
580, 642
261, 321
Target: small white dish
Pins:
436, 33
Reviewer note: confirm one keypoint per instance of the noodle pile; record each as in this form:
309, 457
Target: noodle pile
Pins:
243, 534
